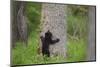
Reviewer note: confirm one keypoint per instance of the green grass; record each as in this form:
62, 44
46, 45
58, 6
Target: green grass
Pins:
29, 55
76, 50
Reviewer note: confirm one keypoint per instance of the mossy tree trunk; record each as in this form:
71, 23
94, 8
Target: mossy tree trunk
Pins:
54, 20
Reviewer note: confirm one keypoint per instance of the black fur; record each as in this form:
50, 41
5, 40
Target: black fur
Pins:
46, 41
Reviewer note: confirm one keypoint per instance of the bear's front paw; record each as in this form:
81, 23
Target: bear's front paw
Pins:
58, 40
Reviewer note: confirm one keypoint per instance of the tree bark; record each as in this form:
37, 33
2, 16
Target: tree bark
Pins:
14, 28
19, 25
54, 20
21, 21
91, 35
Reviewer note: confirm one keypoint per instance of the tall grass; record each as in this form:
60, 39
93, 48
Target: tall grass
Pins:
29, 55
76, 50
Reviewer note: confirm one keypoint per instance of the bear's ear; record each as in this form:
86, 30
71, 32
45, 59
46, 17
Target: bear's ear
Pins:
41, 36
48, 31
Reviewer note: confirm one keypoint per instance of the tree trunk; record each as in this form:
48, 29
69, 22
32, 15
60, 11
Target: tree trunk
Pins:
91, 36
22, 25
19, 25
54, 20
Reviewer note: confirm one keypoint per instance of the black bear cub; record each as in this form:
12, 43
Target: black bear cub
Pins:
46, 41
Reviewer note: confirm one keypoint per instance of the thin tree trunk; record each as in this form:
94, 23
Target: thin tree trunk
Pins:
91, 35
14, 28
54, 20
21, 21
